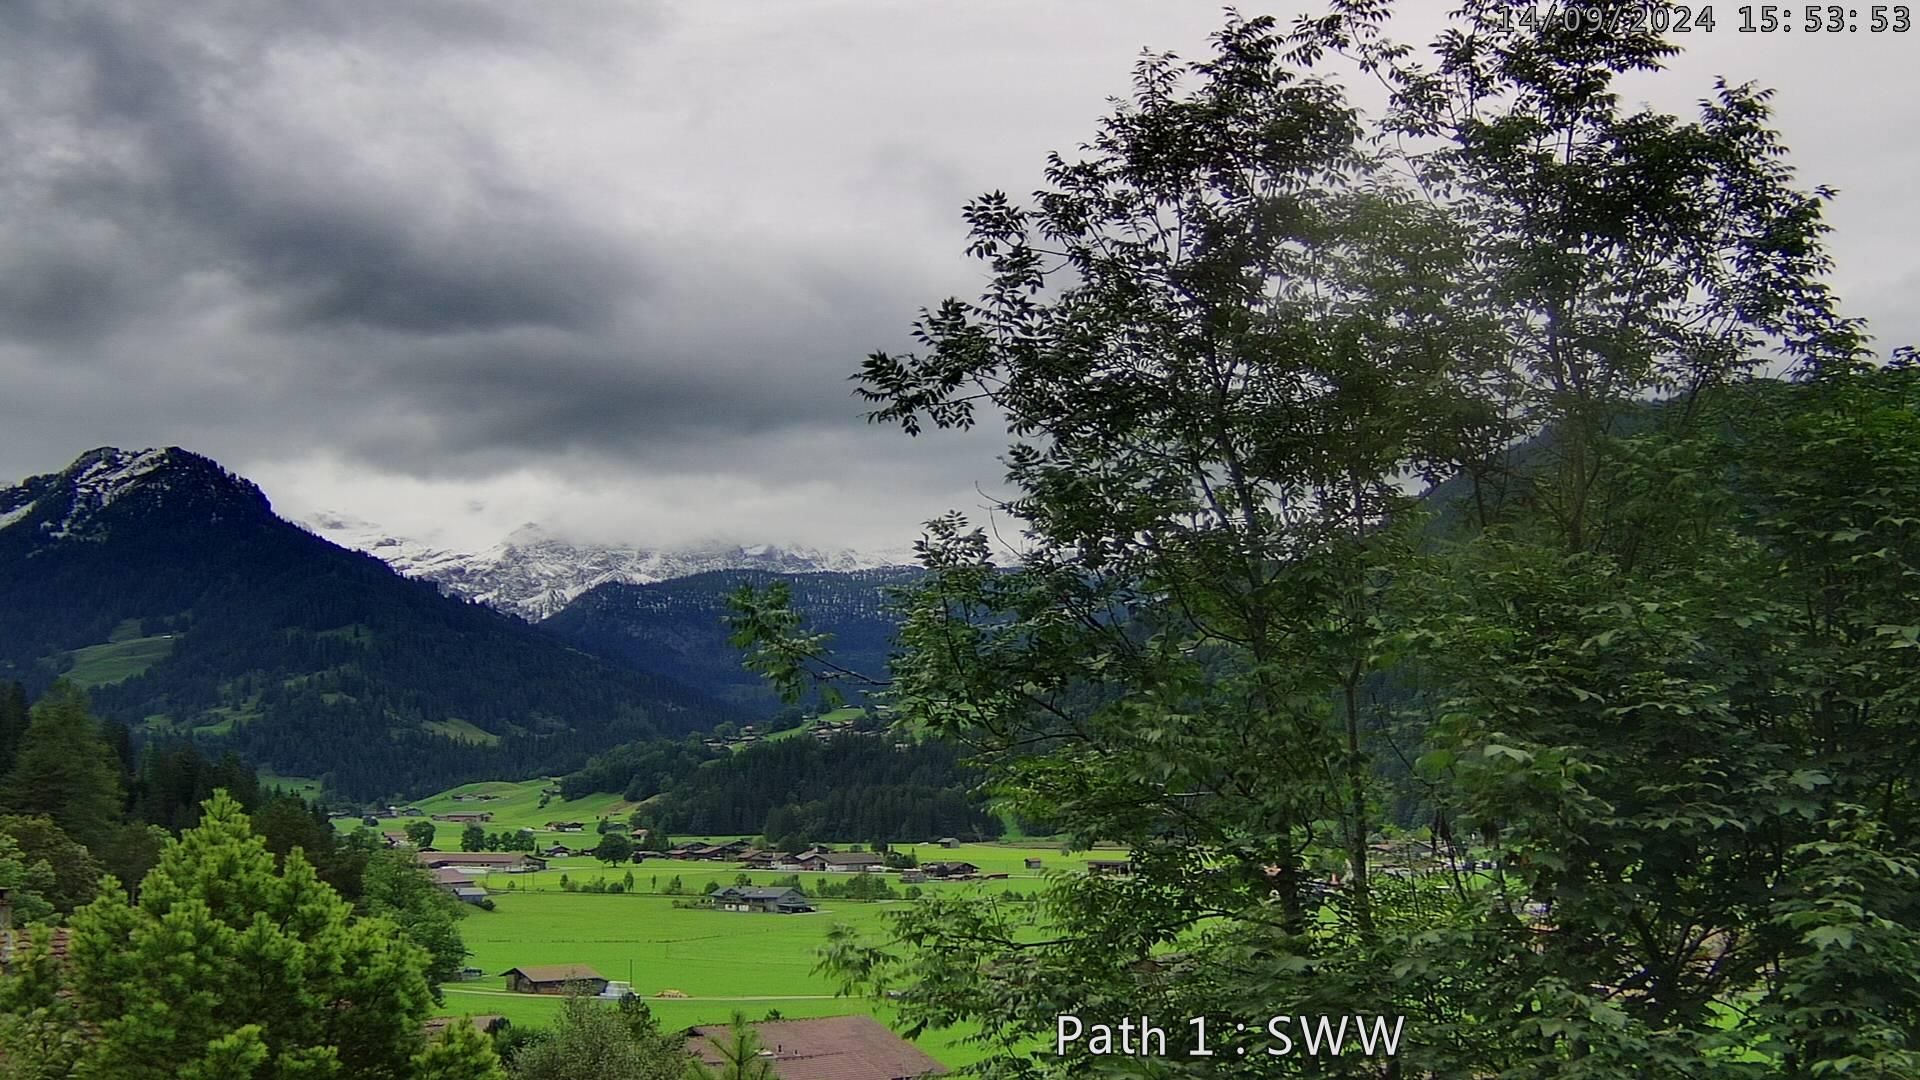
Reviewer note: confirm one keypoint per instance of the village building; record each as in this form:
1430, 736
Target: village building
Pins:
396, 839
459, 884
912, 877
950, 869
747, 898
554, 979
483, 862
826, 1048
757, 859
466, 817
566, 826
840, 862
949, 842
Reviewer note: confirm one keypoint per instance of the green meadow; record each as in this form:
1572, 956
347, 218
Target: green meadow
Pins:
722, 961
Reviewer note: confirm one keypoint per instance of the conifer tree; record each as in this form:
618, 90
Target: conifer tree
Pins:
227, 967
63, 769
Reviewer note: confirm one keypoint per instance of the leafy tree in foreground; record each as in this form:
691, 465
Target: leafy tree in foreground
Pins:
421, 834
588, 1039
401, 891
473, 838
228, 968
1637, 652
76, 873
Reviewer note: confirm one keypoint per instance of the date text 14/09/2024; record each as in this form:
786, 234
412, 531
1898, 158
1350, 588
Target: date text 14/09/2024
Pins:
1667, 18
1279, 1035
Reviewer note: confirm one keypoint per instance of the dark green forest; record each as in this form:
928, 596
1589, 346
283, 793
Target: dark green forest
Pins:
301, 655
677, 628
850, 789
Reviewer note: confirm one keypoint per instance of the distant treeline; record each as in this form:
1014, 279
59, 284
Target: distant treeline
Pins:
856, 788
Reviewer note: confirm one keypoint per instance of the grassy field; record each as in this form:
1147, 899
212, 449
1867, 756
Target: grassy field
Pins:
722, 961
515, 805
115, 661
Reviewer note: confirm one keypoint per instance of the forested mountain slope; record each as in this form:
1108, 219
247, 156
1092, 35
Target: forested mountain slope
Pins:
677, 628
167, 585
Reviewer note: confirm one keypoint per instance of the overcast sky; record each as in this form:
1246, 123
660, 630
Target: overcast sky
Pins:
452, 265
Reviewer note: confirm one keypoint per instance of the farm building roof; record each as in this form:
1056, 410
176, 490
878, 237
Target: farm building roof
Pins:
549, 973
826, 1048
475, 858
849, 858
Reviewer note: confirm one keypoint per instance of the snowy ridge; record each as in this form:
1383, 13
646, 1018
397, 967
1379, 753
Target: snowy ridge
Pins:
72, 503
533, 573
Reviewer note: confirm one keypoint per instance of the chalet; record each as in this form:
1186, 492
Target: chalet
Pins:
483, 862
1113, 867
554, 979
824, 1048
761, 860
466, 817
459, 884
681, 850
845, 862
566, 826
560, 851
950, 869
747, 898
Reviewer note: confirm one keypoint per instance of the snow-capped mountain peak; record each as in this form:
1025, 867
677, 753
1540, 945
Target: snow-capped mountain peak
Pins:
532, 572
75, 502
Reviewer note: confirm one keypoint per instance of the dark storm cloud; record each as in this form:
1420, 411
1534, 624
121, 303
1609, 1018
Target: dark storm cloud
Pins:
155, 129
608, 260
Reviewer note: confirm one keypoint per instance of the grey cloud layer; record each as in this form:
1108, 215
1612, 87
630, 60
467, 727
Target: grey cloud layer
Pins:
426, 254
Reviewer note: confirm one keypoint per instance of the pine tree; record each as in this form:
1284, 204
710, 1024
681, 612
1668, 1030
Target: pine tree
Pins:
13, 722
225, 967
63, 769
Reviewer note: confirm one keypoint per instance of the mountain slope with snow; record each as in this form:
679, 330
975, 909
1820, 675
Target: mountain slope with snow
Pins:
533, 573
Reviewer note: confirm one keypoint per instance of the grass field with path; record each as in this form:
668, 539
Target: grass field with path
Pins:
723, 961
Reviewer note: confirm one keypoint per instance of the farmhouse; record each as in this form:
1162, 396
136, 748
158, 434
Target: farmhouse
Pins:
827, 1048
483, 862
762, 860
950, 869
840, 861
566, 826
553, 979
466, 817
459, 884
747, 898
